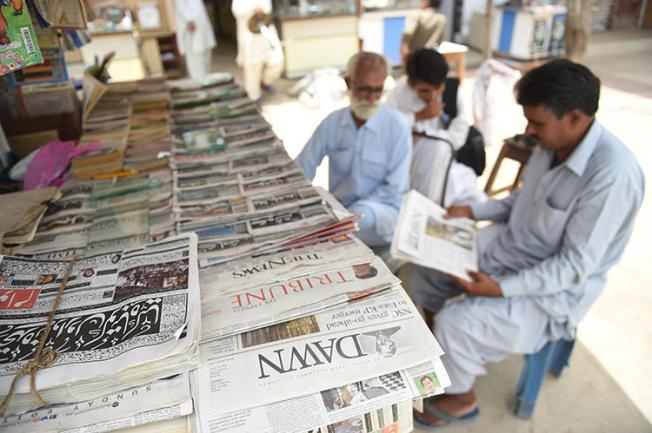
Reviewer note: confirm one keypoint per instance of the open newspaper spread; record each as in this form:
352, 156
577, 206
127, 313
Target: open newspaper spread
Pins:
424, 237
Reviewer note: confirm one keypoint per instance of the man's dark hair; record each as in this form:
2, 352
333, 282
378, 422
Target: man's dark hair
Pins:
560, 85
435, 4
428, 66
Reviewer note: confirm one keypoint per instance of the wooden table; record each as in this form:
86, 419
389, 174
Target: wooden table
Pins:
455, 53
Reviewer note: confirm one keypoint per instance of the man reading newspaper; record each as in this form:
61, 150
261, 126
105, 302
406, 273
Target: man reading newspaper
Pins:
556, 237
369, 148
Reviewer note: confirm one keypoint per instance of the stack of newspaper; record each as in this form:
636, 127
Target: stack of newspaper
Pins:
63, 230
108, 125
125, 337
149, 140
22, 214
93, 217
132, 123
290, 324
316, 337
234, 184
303, 328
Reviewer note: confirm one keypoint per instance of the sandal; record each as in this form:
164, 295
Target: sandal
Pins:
448, 419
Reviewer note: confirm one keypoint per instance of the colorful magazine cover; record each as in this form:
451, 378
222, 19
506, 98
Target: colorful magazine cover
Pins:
18, 44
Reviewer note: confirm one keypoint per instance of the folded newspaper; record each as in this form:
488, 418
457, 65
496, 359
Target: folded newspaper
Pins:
333, 347
424, 236
125, 319
266, 304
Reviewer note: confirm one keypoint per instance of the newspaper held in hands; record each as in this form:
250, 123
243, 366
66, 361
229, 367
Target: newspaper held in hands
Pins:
424, 237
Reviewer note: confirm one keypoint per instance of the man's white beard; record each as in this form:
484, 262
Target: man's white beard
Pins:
362, 109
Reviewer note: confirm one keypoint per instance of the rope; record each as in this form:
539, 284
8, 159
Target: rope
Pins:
44, 356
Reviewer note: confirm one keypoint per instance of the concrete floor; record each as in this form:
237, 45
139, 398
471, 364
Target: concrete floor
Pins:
608, 387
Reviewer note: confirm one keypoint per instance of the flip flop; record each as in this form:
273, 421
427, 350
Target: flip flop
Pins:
444, 416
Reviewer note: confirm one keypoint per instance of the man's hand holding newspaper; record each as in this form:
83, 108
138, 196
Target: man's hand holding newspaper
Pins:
481, 284
427, 235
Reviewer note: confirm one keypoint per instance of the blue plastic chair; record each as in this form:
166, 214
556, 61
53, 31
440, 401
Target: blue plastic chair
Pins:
552, 358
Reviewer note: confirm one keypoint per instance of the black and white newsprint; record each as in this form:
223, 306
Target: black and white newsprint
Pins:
119, 311
334, 347
248, 272
280, 301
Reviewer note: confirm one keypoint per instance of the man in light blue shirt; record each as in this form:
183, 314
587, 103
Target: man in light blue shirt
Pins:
369, 149
544, 262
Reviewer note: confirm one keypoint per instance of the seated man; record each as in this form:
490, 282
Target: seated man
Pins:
369, 150
546, 263
419, 95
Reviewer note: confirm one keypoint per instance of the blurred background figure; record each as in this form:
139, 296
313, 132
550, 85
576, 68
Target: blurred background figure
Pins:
259, 48
426, 30
195, 37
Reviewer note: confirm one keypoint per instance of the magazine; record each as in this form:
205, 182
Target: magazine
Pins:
19, 46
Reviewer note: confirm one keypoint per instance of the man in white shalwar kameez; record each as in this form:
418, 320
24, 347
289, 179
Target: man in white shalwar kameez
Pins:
195, 37
259, 54
543, 262
418, 95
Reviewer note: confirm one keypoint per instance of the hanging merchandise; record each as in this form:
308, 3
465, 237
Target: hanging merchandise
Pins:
53, 69
19, 47
73, 39
9, 99
69, 14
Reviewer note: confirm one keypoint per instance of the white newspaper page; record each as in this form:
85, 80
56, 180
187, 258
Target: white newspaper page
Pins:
424, 237
280, 301
331, 406
121, 310
157, 401
249, 272
335, 350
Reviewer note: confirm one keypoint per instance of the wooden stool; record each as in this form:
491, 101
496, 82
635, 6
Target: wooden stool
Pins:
517, 148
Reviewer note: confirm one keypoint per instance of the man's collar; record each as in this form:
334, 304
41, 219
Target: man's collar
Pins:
580, 157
